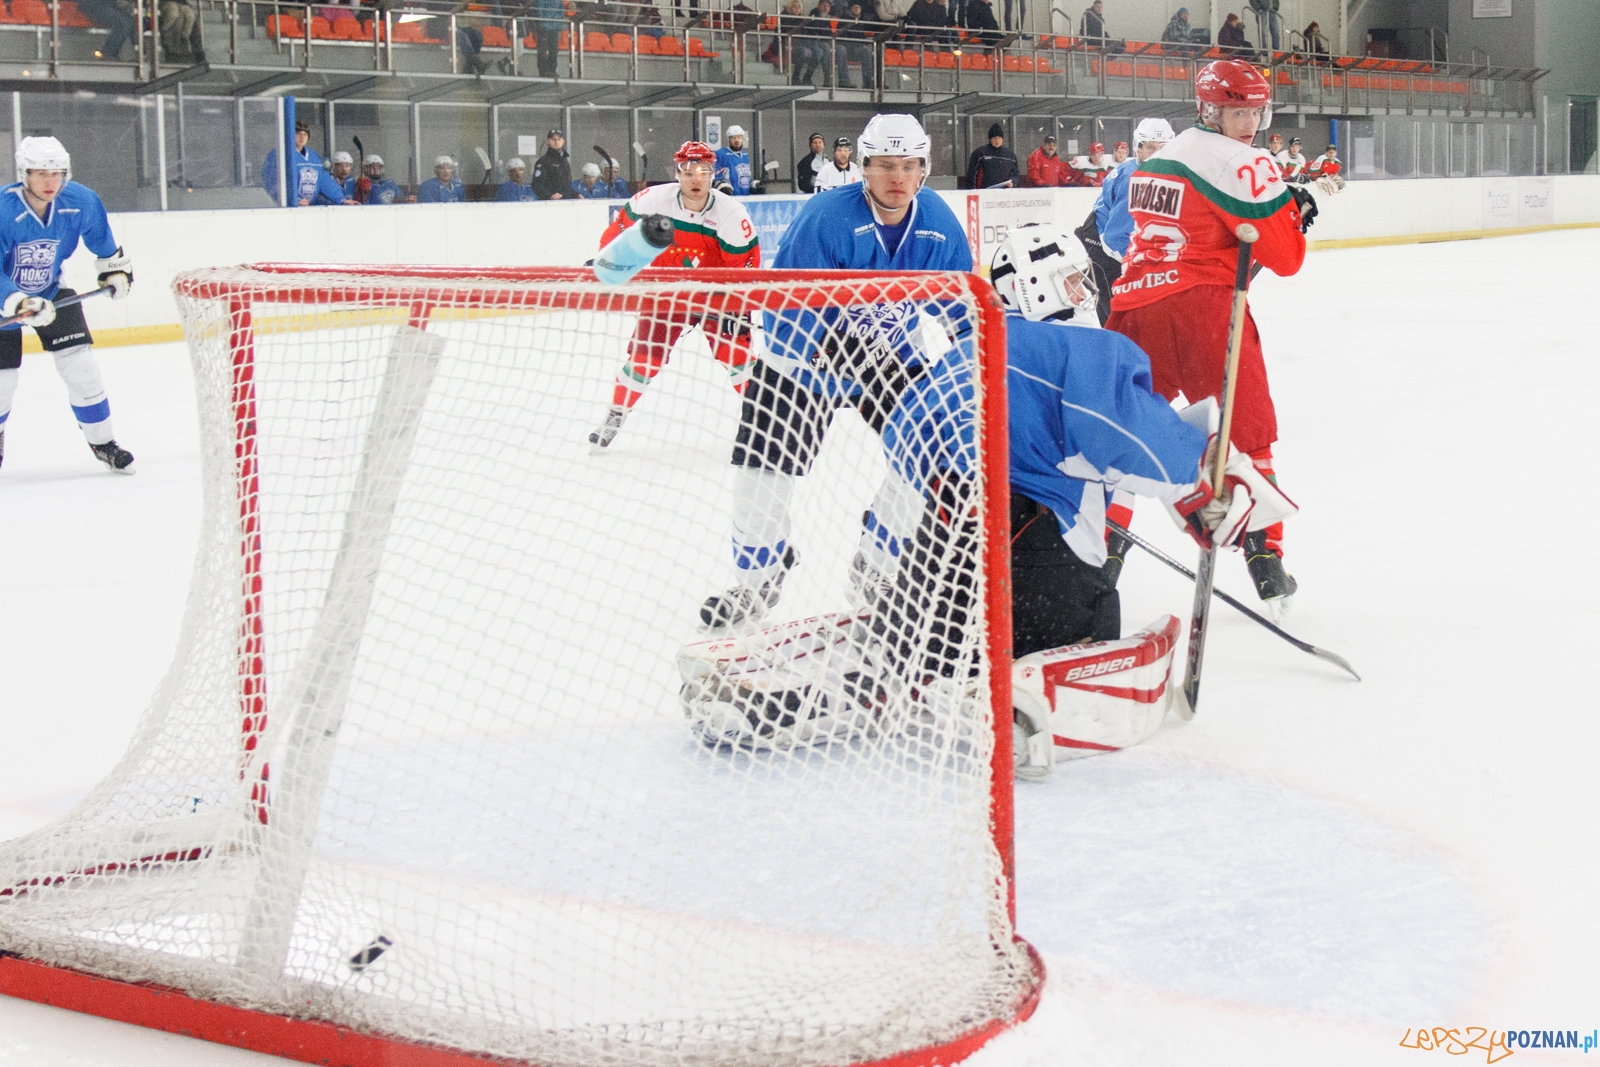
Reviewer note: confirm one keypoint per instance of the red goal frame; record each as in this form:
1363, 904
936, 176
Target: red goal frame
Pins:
422, 291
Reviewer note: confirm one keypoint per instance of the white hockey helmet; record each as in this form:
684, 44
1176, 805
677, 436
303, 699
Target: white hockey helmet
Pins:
444, 161
373, 159
591, 170
895, 135
1159, 130
1041, 272
735, 131
42, 153
516, 163
341, 157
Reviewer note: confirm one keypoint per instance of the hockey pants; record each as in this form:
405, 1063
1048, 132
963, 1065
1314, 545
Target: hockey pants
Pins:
653, 339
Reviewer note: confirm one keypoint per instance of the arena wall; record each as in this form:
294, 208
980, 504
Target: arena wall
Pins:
565, 233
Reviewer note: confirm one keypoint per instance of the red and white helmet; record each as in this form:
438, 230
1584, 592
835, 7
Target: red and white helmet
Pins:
1232, 83
694, 152
1097, 147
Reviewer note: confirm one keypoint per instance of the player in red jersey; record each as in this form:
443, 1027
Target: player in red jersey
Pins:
709, 230
1176, 291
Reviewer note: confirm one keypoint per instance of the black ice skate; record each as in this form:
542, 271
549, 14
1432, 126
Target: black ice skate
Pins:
601, 438
1116, 552
746, 604
114, 456
1274, 585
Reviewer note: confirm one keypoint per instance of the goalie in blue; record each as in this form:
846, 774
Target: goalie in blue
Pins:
47, 215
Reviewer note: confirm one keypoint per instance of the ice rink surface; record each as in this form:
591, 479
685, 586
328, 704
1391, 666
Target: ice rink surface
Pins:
1303, 873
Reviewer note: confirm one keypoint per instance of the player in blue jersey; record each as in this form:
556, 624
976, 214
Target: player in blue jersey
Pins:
342, 170
733, 172
444, 187
308, 182
374, 188
514, 190
48, 215
1109, 227
813, 363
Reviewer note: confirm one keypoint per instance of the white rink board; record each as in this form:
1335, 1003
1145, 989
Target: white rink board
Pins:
1307, 870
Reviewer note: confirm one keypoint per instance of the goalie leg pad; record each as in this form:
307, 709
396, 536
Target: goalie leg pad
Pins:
794, 685
1098, 697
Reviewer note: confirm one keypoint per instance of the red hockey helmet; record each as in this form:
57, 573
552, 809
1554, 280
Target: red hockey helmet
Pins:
694, 152
1097, 147
1232, 83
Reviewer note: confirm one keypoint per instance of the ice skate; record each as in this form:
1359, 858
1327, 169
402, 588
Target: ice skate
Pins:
869, 586
114, 456
1274, 585
745, 604
602, 437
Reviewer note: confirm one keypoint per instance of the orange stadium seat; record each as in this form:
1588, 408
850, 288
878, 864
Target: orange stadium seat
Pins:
30, 13
495, 37
669, 46
622, 43
944, 61
277, 25
71, 16
697, 50
322, 29
595, 41
347, 29
649, 44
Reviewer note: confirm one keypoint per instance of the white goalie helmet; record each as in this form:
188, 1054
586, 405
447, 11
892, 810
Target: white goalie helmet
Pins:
1158, 130
42, 153
1041, 272
895, 135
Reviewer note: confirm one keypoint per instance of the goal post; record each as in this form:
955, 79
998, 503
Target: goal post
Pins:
429, 776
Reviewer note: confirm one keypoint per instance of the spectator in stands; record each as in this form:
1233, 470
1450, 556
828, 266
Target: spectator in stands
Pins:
818, 46
589, 186
1267, 18
444, 187
1119, 154
993, 166
805, 171
1046, 168
307, 180
552, 172
512, 190
981, 22
855, 46
928, 21
110, 15
1230, 37
550, 18
1092, 27
178, 32
616, 185
791, 22
891, 10
374, 188
1316, 44
1022, 14
1179, 31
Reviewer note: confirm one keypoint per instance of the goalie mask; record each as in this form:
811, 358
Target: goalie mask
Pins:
42, 153
1043, 273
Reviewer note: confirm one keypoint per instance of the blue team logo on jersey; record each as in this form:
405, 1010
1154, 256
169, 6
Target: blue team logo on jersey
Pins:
34, 265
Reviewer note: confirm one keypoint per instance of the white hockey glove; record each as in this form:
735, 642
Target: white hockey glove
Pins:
1249, 502
29, 310
116, 271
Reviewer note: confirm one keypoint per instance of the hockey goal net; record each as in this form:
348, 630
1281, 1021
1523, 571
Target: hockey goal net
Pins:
429, 764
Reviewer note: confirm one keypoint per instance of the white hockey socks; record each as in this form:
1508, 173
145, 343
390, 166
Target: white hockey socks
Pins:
760, 523
8, 390
86, 392
890, 523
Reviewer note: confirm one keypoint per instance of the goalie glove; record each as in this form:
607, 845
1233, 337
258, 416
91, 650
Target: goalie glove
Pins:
33, 311
1249, 502
116, 272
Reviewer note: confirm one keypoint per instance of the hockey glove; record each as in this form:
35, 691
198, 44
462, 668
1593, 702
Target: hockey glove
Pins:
1307, 205
363, 189
116, 272
725, 188
1250, 502
33, 311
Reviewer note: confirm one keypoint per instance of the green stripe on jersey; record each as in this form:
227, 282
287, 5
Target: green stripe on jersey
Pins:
1244, 209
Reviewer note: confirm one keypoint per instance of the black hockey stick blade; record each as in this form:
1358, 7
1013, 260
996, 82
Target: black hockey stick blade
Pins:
1304, 646
64, 302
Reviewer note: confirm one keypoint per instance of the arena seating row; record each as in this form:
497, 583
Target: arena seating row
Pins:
37, 13
288, 27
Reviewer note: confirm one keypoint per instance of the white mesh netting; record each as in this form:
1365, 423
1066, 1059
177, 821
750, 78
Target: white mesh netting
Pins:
448, 751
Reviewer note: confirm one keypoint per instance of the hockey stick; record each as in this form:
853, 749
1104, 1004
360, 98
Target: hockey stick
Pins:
65, 302
361, 168
488, 170
1206, 572
1303, 646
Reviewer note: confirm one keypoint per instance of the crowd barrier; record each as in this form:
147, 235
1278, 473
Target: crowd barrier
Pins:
566, 233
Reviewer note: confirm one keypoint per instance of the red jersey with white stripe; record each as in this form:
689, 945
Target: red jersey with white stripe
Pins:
1323, 165
1186, 201
720, 235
